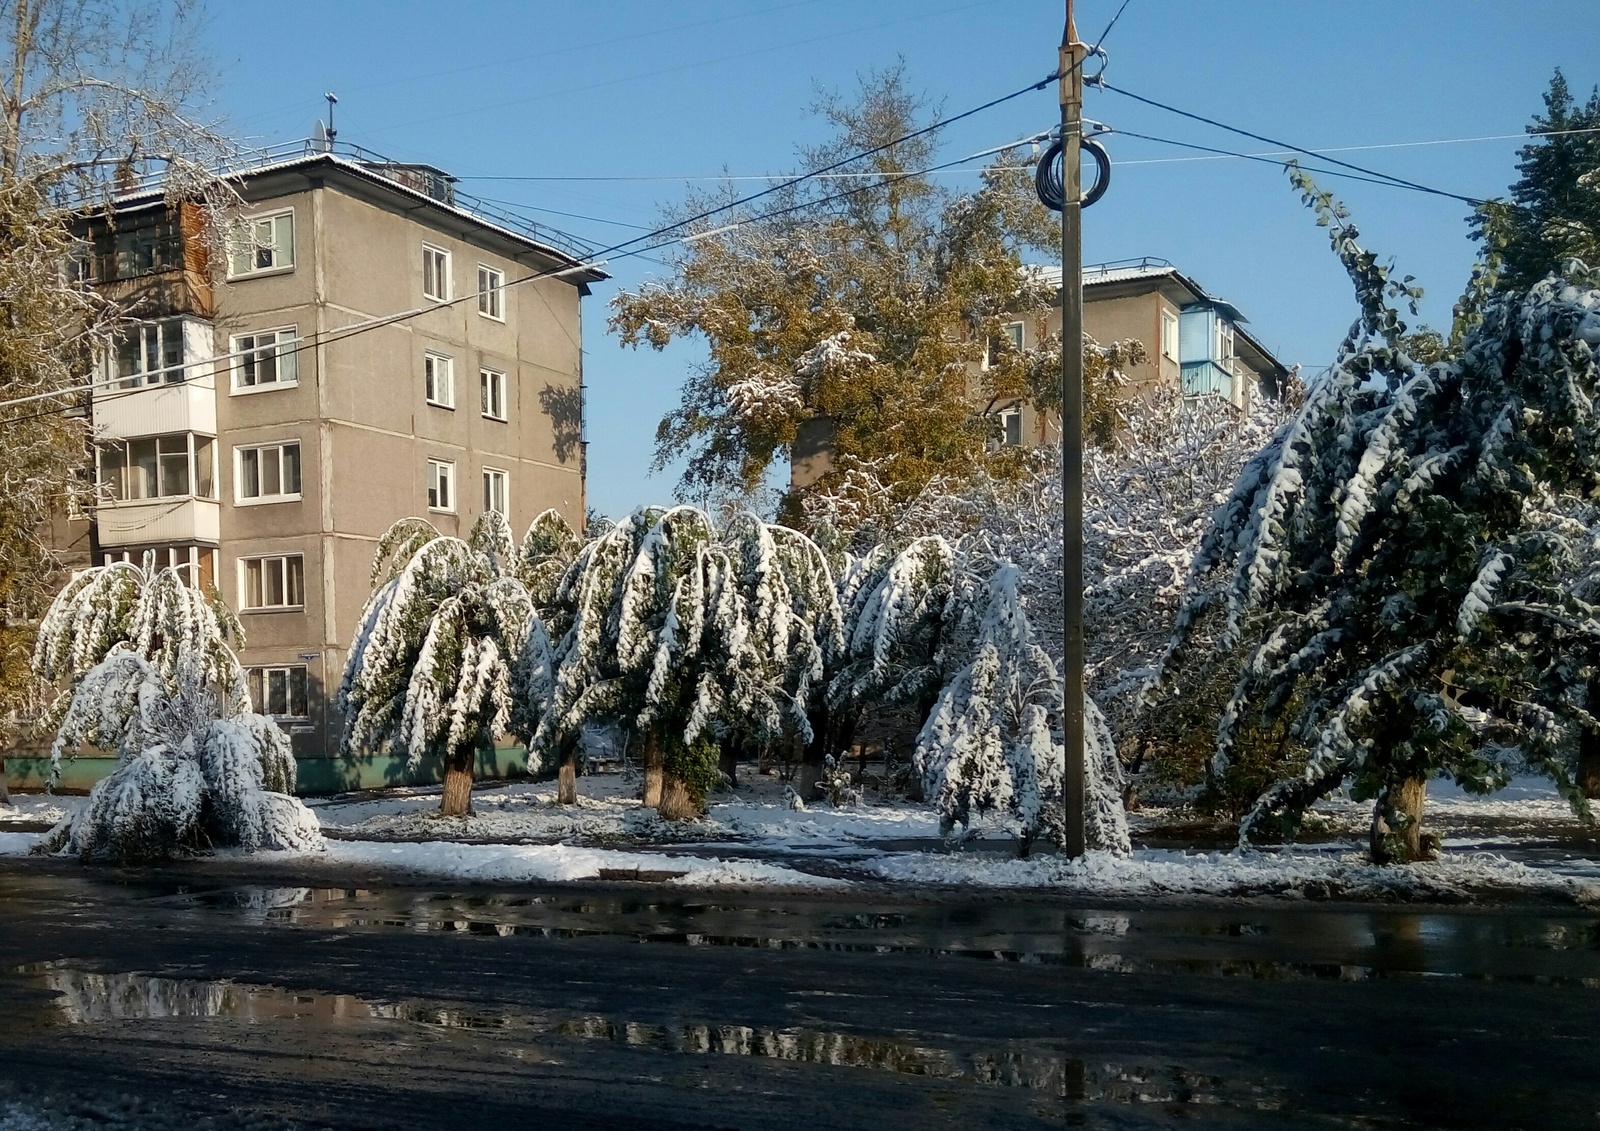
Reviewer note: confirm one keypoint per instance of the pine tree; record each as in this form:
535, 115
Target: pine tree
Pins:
441, 652
993, 745
1396, 564
191, 772
1556, 199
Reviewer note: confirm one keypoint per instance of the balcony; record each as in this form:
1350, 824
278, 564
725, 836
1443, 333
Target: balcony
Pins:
1206, 379
159, 379
172, 519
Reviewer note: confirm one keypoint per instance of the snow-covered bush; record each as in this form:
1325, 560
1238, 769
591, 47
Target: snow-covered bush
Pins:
1395, 566
440, 653
189, 775
993, 746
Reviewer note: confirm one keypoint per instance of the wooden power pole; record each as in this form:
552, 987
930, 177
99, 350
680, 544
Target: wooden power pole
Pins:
1071, 67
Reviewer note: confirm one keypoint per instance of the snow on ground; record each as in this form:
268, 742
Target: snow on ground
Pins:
557, 862
18, 844
31, 808
609, 810
1523, 840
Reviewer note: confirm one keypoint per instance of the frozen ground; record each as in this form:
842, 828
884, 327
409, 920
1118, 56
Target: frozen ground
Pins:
1523, 841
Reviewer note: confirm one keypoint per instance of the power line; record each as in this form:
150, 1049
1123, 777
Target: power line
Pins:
1474, 201
1261, 157
598, 260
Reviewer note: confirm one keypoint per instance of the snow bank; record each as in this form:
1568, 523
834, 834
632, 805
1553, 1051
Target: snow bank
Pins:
1293, 874
560, 862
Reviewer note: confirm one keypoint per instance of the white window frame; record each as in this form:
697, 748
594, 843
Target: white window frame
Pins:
158, 333
260, 674
281, 563
490, 378
441, 472
1224, 342
198, 448
240, 499
1169, 335
1006, 416
288, 361
491, 292
1005, 332
495, 478
247, 236
439, 379
428, 272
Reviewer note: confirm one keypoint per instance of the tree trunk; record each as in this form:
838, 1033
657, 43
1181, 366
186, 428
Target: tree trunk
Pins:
728, 760
567, 775
5, 790
1589, 749
652, 770
457, 801
677, 803
1397, 823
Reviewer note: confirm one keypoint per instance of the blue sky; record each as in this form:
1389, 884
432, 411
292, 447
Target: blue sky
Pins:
631, 98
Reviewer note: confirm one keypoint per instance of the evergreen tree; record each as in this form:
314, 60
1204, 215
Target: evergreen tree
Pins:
441, 652
1398, 562
1556, 213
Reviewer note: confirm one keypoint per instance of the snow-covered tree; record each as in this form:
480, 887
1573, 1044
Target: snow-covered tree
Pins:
155, 612
1395, 565
191, 773
993, 743
440, 654
548, 549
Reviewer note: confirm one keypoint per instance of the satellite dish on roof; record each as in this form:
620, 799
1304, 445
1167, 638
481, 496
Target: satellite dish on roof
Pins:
320, 141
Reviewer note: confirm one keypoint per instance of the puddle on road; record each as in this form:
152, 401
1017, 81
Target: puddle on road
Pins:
88, 998
1352, 944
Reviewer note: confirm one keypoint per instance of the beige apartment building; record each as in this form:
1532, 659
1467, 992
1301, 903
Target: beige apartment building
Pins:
262, 425
1193, 341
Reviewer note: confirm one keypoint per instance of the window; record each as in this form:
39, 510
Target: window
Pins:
149, 353
273, 583
268, 474
441, 485
1011, 332
158, 467
279, 691
493, 384
494, 491
439, 379
491, 292
1011, 427
435, 273
1224, 353
1169, 335
265, 360
265, 243
196, 565
146, 249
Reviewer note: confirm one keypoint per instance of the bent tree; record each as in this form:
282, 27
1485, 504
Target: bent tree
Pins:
437, 653
1400, 568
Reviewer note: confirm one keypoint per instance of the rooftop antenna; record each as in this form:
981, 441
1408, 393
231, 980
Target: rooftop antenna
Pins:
333, 100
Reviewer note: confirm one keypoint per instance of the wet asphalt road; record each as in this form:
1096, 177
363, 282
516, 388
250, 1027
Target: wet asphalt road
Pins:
205, 998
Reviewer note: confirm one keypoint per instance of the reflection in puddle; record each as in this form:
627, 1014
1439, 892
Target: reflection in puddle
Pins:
87, 998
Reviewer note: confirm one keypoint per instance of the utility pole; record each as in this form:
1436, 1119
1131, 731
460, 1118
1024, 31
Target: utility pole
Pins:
1071, 67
